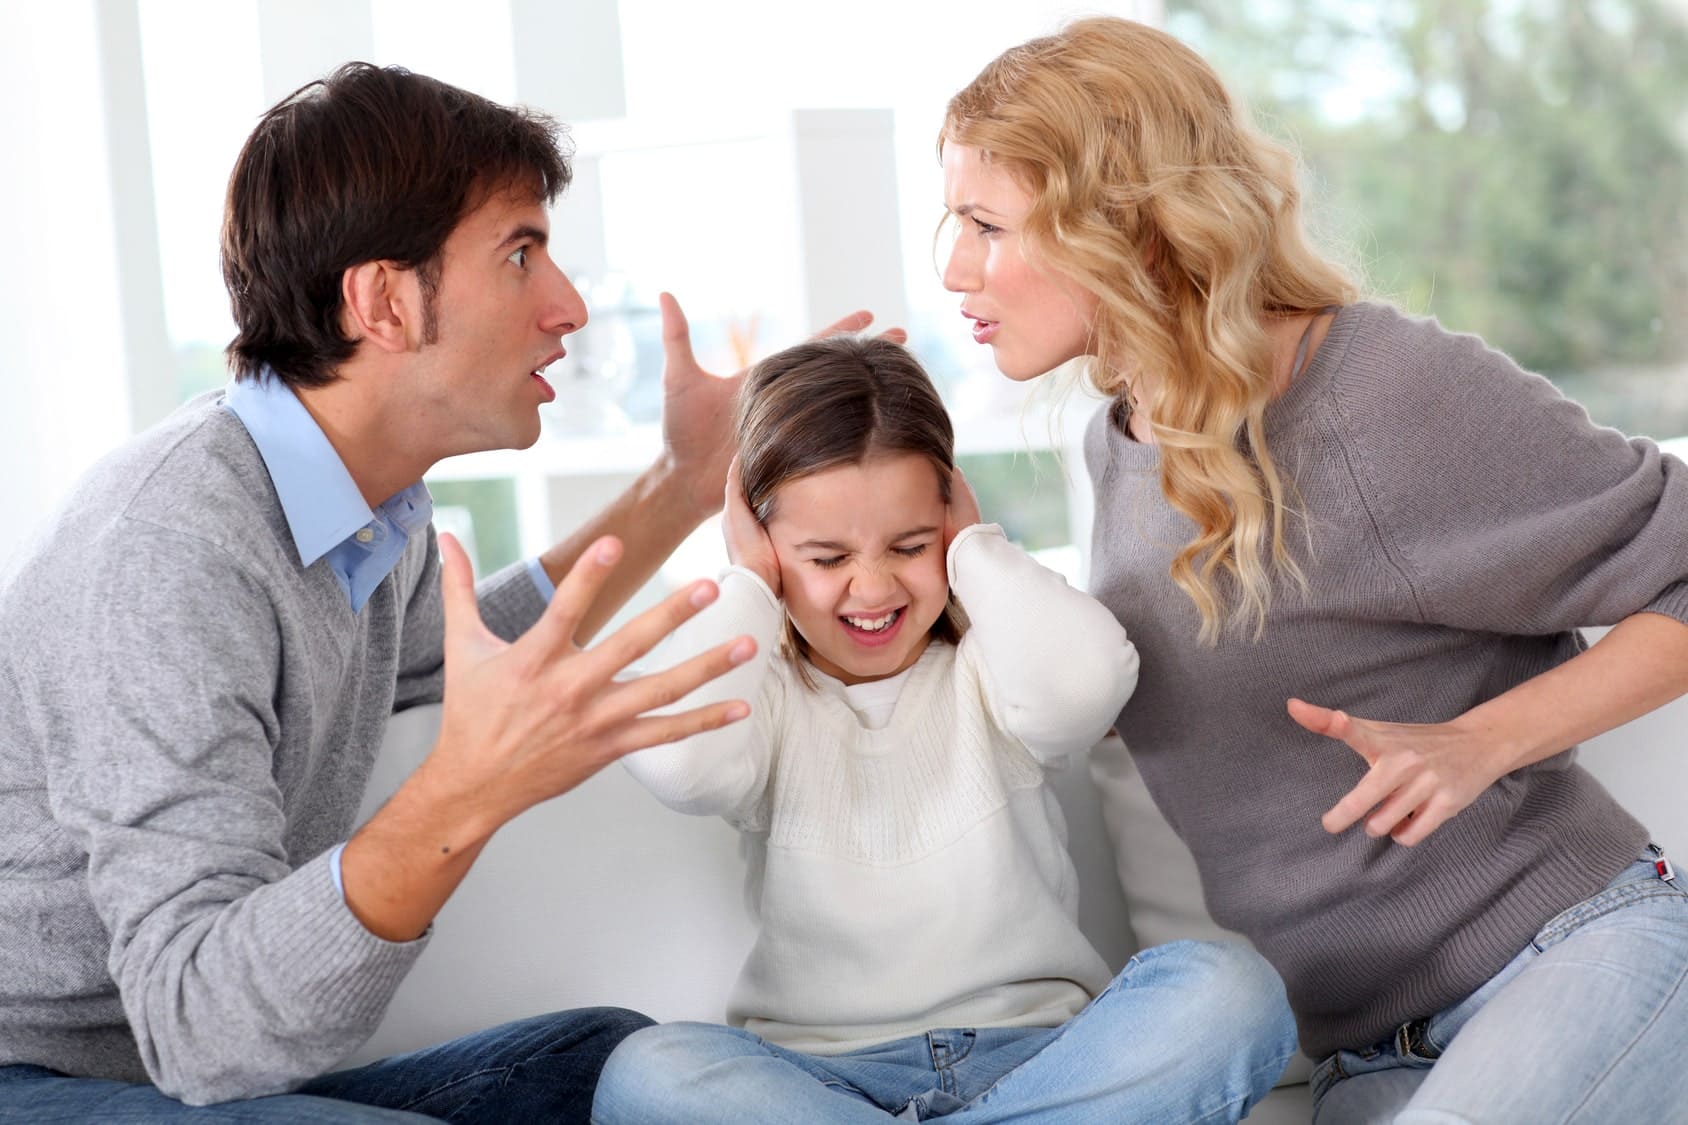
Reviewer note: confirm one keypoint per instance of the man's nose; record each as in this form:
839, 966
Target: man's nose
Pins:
565, 310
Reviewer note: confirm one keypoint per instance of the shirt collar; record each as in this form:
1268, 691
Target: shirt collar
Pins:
318, 497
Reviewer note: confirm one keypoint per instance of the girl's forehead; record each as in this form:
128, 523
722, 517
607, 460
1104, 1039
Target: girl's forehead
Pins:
900, 474
862, 499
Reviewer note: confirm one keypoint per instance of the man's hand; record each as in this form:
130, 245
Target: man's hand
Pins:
522, 723
748, 544
1421, 773
527, 721
697, 407
697, 411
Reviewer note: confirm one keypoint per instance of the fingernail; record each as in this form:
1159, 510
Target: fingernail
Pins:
736, 711
608, 551
703, 595
742, 651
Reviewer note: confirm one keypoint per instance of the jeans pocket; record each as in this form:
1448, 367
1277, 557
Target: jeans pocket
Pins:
1637, 883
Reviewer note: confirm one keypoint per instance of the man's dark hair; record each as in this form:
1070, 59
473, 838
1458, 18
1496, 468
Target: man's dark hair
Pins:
369, 164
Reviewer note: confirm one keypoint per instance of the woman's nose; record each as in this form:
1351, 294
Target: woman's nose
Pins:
961, 272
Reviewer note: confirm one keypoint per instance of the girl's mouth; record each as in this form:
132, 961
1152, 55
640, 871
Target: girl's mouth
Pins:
873, 631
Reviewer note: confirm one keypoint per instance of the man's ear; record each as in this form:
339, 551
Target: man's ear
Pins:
381, 303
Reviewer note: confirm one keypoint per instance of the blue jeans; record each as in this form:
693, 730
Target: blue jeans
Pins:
539, 1069
1188, 1032
1588, 1024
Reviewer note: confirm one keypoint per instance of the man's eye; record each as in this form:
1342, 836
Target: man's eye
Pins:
519, 256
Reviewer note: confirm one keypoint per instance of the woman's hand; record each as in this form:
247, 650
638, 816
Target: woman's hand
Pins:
963, 510
748, 544
1421, 773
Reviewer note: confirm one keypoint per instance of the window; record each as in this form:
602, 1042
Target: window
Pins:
1517, 168
190, 49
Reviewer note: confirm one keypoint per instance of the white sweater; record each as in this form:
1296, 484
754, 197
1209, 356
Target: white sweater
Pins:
913, 876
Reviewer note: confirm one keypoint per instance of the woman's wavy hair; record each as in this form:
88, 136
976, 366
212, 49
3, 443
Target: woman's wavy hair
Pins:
843, 400
1151, 188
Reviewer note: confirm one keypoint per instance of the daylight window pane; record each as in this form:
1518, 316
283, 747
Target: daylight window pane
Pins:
204, 93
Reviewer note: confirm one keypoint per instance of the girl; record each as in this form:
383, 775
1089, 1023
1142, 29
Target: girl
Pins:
1299, 492
918, 954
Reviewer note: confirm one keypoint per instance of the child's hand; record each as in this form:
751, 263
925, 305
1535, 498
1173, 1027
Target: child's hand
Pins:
748, 544
963, 510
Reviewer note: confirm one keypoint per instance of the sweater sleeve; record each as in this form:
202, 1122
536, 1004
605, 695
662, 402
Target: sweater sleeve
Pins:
1056, 664
720, 772
240, 976
1504, 507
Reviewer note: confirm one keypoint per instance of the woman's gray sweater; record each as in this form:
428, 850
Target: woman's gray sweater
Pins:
1464, 520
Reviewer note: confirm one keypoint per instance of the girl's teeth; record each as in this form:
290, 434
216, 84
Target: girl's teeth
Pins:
874, 624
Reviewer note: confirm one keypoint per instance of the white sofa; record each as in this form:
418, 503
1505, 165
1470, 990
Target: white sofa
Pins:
605, 897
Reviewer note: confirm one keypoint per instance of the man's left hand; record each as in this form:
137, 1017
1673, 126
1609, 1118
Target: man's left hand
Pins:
697, 406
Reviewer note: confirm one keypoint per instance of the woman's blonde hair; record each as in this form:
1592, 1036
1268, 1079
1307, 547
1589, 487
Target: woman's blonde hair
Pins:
839, 401
1152, 190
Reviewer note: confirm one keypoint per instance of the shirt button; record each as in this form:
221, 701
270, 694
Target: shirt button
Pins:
365, 535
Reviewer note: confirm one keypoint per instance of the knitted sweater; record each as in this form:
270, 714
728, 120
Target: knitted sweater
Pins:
916, 875
187, 721
1464, 519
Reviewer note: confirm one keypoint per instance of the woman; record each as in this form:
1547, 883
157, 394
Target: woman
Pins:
1300, 494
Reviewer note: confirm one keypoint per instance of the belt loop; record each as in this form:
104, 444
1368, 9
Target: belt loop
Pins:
1411, 1039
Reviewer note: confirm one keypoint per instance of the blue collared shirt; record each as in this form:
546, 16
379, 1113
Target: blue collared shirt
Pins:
326, 514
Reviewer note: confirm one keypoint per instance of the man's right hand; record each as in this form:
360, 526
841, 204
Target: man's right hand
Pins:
528, 721
523, 722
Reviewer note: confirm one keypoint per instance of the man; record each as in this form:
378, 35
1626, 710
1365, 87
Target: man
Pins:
199, 654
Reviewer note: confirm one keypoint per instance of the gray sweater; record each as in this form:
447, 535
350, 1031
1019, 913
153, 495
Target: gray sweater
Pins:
1465, 519
187, 721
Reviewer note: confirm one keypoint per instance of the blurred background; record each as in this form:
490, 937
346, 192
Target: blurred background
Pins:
1518, 168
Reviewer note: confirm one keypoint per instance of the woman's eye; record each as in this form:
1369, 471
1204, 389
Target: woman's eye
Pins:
912, 552
829, 563
986, 228
519, 256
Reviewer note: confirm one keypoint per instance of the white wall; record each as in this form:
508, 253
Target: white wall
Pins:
63, 385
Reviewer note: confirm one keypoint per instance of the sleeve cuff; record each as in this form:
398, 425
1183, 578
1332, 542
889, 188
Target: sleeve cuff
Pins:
737, 573
541, 581
966, 534
334, 870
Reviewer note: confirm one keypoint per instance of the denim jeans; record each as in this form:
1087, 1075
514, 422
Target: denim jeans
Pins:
1188, 1032
1589, 1023
539, 1069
